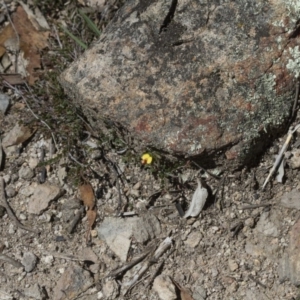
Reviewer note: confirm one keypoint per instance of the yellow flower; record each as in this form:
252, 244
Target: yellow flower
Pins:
147, 159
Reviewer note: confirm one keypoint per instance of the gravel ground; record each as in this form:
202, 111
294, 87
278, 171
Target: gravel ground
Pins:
243, 245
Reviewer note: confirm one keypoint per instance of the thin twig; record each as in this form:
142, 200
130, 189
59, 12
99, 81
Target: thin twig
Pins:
10, 213
11, 261
279, 157
252, 206
206, 171
164, 245
75, 160
132, 263
158, 268
57, 37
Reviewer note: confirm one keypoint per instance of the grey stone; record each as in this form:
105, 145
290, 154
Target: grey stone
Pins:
268, 225
34, 292
73, 282
10, 191
233, 265
146, 228
213, 78
69, 207
26, 173
164, 287
252, 294
199, 292
193, 239
7, 178
62, 174
289, 267
117, 232
29, 261
291, 199
17, 135
294, 161
111, 289
42, 195
4, 103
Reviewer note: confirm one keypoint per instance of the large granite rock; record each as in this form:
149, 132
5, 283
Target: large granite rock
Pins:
193, 77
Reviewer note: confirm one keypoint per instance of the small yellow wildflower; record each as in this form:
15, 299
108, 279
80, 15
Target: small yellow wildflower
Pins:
147, 159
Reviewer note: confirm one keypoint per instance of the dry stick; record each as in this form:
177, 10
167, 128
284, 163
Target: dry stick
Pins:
75, 160
252, 206
57, 37
129, 265
11, 261
280, 155
164, 245
4, 203
206, 171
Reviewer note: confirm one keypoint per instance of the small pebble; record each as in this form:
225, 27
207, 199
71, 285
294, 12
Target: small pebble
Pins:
94, 233
7, 178
26, 173
4, 102
48, 259
14, 177
232, 265
10, 191
134, 193
22, 217
33, 162
29, 261
250, 222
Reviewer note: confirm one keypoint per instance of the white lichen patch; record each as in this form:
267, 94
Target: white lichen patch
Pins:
293, 64
293, 9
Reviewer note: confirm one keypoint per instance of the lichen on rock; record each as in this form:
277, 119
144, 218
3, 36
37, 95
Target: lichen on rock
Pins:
193, 78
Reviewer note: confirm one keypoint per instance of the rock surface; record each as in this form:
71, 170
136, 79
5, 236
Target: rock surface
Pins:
193, 78
164, 288
74, 281
291, 199
42, 196
117, 232
289, 268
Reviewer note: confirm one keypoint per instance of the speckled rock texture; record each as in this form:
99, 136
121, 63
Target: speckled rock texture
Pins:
193, 78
